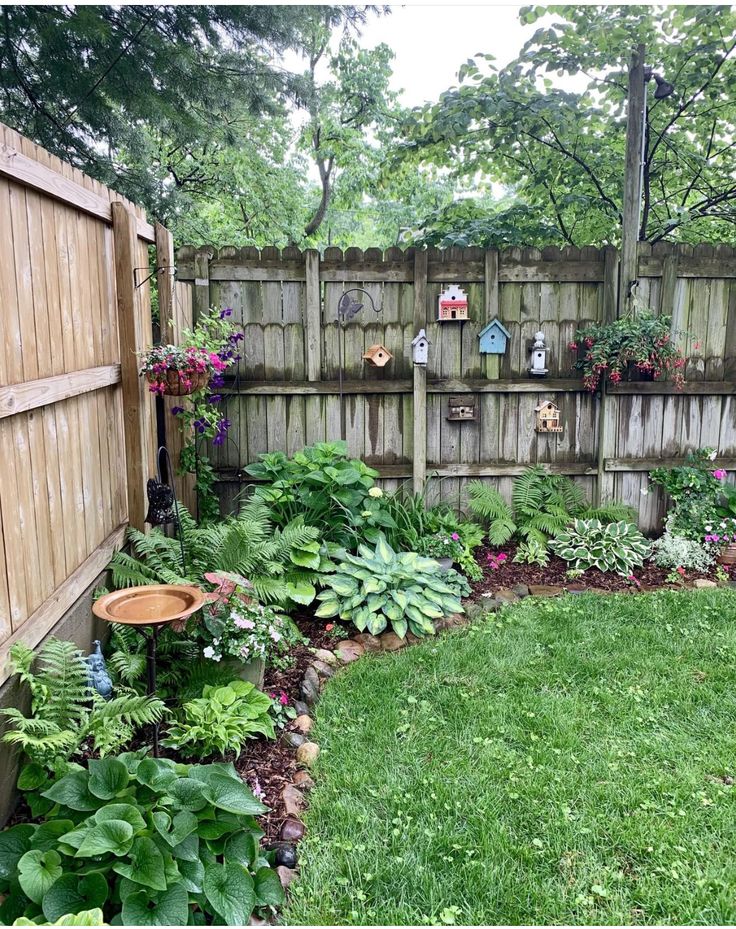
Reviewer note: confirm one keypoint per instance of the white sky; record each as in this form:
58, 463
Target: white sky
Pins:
431, 42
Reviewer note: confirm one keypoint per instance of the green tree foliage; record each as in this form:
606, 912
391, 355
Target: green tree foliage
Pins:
561, 151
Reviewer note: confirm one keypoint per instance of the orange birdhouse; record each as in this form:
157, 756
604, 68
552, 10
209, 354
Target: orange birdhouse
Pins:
378, 356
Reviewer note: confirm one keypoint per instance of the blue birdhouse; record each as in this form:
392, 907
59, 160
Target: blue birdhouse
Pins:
493, 338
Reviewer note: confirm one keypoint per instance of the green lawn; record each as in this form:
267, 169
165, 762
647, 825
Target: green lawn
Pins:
567, 761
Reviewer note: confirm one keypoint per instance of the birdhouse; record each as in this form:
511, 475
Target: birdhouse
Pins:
462, 408
453, 304
420, 348
378, 356
493, 338
539, 356
548, 417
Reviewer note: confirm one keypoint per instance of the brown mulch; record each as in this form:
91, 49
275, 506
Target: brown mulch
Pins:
510, 575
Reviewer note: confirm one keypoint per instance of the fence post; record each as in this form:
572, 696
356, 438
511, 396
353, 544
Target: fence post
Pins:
419, 468
165, 279
491, 363
608, 406
313, 320
135, 395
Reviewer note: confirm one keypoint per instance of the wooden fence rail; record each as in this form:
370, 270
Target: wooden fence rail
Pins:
285, 394
77, 431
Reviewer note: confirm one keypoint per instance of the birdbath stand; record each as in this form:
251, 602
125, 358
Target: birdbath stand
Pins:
149, 609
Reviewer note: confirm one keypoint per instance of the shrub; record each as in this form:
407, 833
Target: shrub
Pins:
326, 489
441, 545
148, 841
221, 720
375, 589
67, 716
280, 564
675, 551
694, 491
618, 547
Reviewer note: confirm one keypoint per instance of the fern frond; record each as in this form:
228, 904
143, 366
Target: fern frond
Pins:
500, 531
611, 513
131, 709
486, 501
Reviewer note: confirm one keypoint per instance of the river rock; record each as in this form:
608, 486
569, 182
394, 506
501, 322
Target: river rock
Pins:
292, 830
390, 642
294, 739
307, 753
323, 669
521, 590
286, 875
349, 650
702, 583
370, 643
310, 686
301, 708
545, 590
293, 800
505, 595
324, 654
303, 781
303, 723
286, 855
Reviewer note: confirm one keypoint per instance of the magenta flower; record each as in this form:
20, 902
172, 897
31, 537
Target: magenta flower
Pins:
455, 537
719, 474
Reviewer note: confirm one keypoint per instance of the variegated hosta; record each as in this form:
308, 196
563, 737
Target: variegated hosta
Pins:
379, 587
587, 543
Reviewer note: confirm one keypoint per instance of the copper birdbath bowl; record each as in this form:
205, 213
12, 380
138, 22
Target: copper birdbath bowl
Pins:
150, 607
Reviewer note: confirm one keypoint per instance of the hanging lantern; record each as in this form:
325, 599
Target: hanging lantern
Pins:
160, 503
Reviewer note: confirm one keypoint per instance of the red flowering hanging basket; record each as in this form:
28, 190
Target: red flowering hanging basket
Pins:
179, 383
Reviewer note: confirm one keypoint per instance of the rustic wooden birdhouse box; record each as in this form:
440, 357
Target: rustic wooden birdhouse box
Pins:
462, 408
493, 338
420, 348
548, 417
453, 304
378, 356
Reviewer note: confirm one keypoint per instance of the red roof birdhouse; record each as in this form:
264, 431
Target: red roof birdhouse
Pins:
453, 304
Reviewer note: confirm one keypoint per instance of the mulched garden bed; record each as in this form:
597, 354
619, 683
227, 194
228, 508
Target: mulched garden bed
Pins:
510, 575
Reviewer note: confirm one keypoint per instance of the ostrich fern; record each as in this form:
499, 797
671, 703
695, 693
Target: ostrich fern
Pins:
65, 713
281, 564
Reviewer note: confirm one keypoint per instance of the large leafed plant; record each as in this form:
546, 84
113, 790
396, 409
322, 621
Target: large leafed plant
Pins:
379, 588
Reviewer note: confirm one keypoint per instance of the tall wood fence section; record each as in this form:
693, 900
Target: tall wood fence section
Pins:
285, 394
77, 436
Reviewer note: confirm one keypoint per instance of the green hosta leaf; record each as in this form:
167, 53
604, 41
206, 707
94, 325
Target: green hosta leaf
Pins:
230, 891
175, 831
225, 793
107, 777
343, 586
384, 551
114, 837
72, 791
400, 598
327, 608
269, 891
167, 908
156, 773
73, 893
400, 627
374, 585
376, 623
14, 843
32, 777
146, 864
37, 872
122, 811
375, 602
306, 558
301, 592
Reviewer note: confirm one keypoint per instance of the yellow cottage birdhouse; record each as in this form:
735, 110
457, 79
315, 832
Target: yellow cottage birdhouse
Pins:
548, 417
378, 356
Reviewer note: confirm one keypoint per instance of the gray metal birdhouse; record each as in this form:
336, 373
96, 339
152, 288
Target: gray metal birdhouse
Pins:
420, 348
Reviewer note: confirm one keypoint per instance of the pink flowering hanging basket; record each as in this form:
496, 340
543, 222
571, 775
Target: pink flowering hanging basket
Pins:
178, 384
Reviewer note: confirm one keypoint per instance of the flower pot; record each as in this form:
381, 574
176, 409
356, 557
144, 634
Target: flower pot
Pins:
175, 387
252, 671
444, 563
727, 555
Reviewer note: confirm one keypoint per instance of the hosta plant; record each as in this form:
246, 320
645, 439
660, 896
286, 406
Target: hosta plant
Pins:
381, 588
148, 841
221, 720
587, 543
532, 552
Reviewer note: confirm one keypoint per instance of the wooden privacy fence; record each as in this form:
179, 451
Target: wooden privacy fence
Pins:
285, 394
77, 431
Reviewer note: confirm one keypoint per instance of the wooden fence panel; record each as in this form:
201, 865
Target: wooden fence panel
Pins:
286, 392
64, 472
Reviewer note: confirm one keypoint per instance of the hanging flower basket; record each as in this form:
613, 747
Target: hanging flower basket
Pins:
178, 383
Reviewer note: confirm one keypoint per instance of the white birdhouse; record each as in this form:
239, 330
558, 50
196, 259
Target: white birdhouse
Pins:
539, 356
420, 348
